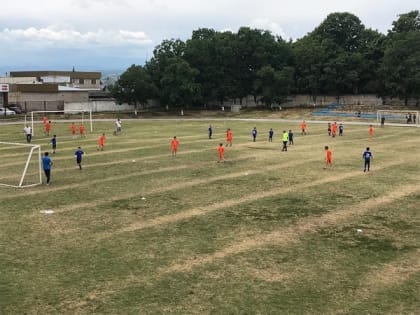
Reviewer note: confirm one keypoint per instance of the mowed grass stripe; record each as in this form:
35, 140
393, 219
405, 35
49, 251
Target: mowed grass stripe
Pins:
286, 236
391, 275
154, 157
205, 181
257, 195
291, 234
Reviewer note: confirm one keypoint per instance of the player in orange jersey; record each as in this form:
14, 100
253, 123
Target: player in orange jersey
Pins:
371, 131
221, 151
303, 127
174, 146
101, 142
229, 137
334, 129
82, 130
73, 129
47, 127
328, 157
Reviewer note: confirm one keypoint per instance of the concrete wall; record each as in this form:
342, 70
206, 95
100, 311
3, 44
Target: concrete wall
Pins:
99, 106
308, 100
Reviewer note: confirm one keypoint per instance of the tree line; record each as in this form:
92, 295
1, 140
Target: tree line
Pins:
340, 56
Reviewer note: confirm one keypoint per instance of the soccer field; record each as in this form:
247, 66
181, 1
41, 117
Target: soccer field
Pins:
138, 231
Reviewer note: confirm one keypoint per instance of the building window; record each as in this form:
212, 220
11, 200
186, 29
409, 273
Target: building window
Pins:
81, 81
93, 81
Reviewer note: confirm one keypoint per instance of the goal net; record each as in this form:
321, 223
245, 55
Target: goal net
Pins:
77, 116
21, 165
398, 117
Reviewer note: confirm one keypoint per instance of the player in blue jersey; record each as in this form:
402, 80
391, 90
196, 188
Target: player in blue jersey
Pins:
270, 135
254, 134
79, 153
46, 165
54, 143
367, 157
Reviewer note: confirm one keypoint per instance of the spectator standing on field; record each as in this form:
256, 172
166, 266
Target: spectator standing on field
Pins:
210, 131
28, 133
46, 165
79, 153
367, 157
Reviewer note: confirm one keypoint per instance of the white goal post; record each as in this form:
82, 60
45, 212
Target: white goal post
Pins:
83, 117
23, 171
406, 117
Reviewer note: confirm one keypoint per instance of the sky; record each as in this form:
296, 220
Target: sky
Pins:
98, 35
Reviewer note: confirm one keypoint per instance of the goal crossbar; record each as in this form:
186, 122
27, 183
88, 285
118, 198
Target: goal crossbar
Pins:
401, 117
64, 112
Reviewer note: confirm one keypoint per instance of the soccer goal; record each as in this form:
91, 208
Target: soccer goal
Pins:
78, 116
398, 117
21, 165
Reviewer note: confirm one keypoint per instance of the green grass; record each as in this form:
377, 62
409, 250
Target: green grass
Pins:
266, 232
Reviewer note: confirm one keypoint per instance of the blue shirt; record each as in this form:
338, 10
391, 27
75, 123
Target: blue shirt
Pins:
46, 163
54, 141
79, 154
367, 155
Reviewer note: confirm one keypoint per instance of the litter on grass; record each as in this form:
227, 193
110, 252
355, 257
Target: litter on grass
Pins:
48, 211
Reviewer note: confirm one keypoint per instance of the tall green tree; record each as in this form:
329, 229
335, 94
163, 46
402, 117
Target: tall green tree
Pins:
134, 86
407, 22
401, 63
162, 53
200, 53
334, 58
178, 84
274, 85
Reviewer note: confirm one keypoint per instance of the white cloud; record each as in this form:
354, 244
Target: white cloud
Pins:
126, 30
268, 25
53, 36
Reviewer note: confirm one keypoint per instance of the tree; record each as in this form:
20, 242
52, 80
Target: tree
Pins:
401, 65
200, 54
178, 85
407, 22
274, 85
134, 86
162, 53
331, 58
